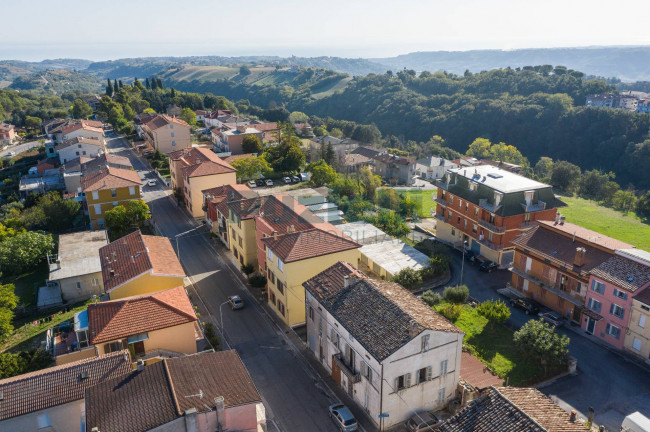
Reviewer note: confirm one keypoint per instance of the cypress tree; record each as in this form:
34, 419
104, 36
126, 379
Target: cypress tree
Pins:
109, 88
121, 85
146, 84
160, 84
115, 86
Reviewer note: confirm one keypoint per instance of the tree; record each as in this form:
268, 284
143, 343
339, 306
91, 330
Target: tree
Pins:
126, 218
565, 176
319, 131
251, 144
149, 111
456, 294
244, 70
389, 222
502, 152
408, 277
328, 153
298, 117
624, 200
366, 133
146, 84
369, 182
538, 340
59, 214
592, 184
81, 110
438, 264
24, 251
336, 133
188, 116
496, 312
116, 87
322, 174
642, 208
13, 364
452, 311
109, 88
32, 122
431, 298
479, 148
8, 302
251, 167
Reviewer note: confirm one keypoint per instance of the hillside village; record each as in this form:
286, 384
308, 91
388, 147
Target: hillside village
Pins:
215, 270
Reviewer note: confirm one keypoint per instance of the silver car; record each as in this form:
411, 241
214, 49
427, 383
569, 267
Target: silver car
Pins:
422, 422
342, 416
235, 302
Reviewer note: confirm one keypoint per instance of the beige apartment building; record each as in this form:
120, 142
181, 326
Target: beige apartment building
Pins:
167, 134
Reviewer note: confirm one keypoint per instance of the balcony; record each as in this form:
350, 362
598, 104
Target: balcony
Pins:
352, 376
442, 185
538, 206
441, 201
487, 225
489, 244
438, 216
483, 203
547, 286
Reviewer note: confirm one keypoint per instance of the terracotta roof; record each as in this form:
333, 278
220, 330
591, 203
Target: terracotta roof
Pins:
355, 159
83, 124
199, 161
624, 273
309, 244
587, 235
164, 390
560, 249
117, 319
58, 385
643, 296
368, 152
331, 281
220, 196
109, 178
136, 254
399, 160
6, 127
161, 120
380, 315
104, 160
476, 373
79, 140
265, 127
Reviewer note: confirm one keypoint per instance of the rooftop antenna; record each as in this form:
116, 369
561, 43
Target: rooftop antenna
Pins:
199, 394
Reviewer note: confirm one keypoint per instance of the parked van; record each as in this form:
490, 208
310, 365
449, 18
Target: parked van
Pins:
635, 422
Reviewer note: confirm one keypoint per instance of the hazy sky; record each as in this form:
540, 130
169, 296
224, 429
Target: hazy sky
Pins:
37, 29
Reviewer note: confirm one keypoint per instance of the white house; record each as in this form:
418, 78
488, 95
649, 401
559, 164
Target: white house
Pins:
77, 147
389, 351
433, 168
83, 129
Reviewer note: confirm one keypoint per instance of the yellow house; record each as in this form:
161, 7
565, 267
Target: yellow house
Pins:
637, 338
293, 258
166, 134
196, 169
138, 264
150, 326
106, 188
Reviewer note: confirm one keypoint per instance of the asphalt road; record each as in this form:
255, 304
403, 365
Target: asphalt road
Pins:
606, 380
294, 396
20, 148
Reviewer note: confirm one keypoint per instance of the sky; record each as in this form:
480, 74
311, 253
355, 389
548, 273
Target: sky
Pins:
346, 28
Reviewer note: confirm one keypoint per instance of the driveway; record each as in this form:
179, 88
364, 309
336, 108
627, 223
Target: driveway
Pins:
606, 380
20, 148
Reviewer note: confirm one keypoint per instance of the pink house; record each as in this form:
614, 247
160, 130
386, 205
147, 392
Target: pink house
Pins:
609, 297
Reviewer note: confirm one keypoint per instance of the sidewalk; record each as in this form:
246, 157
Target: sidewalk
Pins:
307, 356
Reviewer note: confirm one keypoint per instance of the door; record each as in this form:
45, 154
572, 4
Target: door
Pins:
336, 372
591, 325
138, 348
529, 264
476, 247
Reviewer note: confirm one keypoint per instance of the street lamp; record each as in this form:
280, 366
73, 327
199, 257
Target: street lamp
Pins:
177, 236
223, 336
462, 264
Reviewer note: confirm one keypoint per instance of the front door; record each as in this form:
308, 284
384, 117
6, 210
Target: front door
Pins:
591, 325
336, 372
138, 348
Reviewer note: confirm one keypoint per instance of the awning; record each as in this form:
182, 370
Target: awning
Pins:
591, 314
137, 338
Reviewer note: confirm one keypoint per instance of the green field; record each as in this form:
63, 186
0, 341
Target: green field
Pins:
424, 197
331, 89
627, 228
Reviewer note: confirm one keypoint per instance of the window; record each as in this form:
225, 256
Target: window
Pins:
280, 265
95, 195
269, 254
620, 294
320, 327
594, 305
451, 199
366, 372
474, 228
449, 215
334, 337
475, 211
271, 276
458, 220
441, 395
43, 421
443, 367
465, 223
642, 321
234, 252
424, 374
95, 282
171, 126
281, 307
645, 308
131, 190
402, 382
112, 347
84, 152
113, 193
78, 285
311, 313
280, 286
613, 331
77, 153
616, 310
460, 203
350, 357
98, 209
424, 343
172, 134
173, 143
636, 344
241, 243
598, 287
466, 206
272, 297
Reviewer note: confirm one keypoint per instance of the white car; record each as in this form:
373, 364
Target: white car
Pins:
269, 182
252, 184
152, 182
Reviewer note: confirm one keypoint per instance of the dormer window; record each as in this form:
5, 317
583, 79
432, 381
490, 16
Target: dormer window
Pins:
497, 198
529, 197
472, 186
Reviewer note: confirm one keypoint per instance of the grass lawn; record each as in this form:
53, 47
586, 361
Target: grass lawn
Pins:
627, 228
27, 284
424, 197
496, 349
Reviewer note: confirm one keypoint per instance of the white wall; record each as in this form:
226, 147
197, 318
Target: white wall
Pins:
66, 417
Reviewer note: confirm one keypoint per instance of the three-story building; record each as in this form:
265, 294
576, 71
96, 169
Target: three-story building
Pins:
107, 188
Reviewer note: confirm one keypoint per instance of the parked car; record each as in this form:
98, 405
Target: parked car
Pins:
11, 154
269, 182
286, 180
343, 418
552, 318
470, 255
526, 305
235, 302
422, 422
304, 176
488, 266
152, 182
260, 183
295, 179
252, 184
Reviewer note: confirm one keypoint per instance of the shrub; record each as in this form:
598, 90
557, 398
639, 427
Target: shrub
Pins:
257, 281
211, 335
408, 277
452, 311
247, 269
539, 341
496, 312
458, 294
431, 298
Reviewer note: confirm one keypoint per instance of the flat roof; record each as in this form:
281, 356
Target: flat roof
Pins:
395, 255
364, 233
498, 179
78, 254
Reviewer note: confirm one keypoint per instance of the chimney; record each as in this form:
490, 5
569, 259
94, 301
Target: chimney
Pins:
557, 217
139, 365
579, 259
241, 205
414, 329
275, 235
573, 415
293, 228
562, 219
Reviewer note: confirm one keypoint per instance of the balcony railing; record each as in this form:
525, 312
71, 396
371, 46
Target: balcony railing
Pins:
442, 185
483, 203
489, 244
439, 216
441, 201
491, 227
547, 286
352, 376
538, 206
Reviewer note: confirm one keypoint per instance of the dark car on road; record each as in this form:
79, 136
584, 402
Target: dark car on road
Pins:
552, 318
260, 183
526, 305
488, 266
295, 179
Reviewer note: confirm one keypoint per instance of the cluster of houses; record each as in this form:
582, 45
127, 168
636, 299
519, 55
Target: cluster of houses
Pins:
628, 100
593, 281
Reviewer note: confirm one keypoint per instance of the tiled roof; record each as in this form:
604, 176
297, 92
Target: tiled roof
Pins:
587, 235
198, 161
512, 409
643, 296
355, 159
380, 315
79, 140
389, 158
163, 120
109, 178
105, 160
83, 124
117, 319
220, 196
309, 244
5, 127
560, 249
265, 127
164, 390
623, 273
135, 254
331, 281
58, 385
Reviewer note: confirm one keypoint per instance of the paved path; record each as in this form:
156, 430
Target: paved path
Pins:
20, 148
294, 396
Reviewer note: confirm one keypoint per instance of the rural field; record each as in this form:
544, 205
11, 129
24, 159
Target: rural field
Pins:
627, 228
